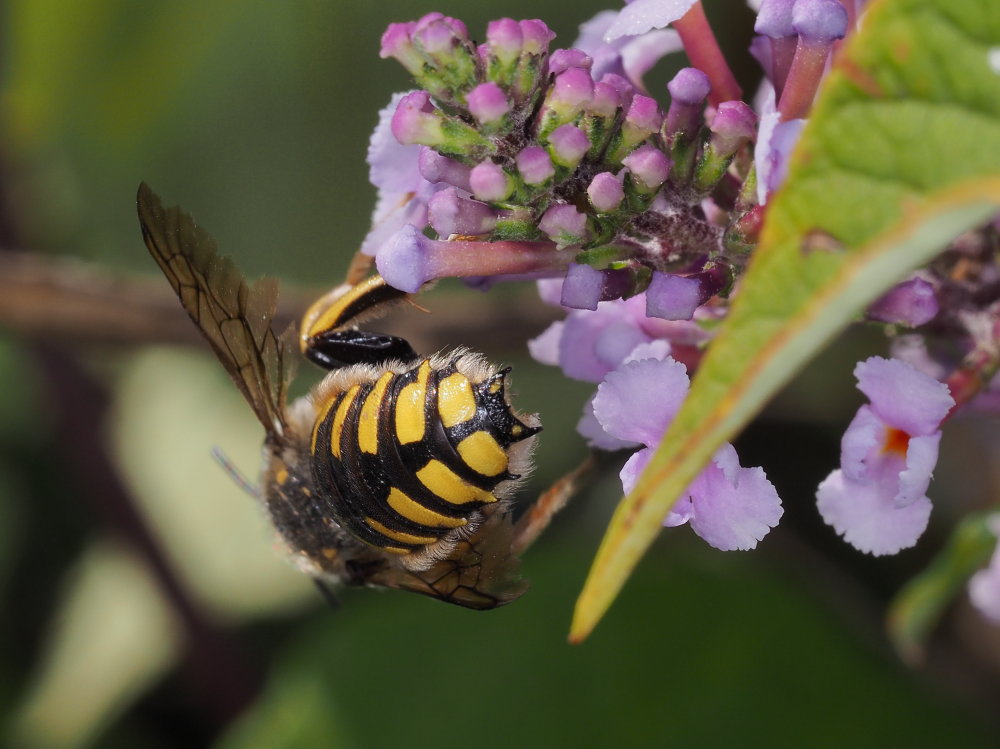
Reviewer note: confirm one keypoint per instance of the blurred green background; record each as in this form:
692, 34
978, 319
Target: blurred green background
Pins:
144, 604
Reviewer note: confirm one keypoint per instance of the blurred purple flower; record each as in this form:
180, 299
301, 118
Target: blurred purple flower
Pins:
877, 499
984, 586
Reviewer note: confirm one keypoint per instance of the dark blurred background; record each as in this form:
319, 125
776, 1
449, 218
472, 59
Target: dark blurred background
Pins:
143, 602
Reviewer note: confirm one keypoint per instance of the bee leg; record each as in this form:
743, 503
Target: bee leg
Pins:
329, 336
328, 594
332, 349
537, 517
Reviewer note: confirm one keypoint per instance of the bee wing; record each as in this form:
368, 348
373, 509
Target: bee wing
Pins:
481, 572
235, 317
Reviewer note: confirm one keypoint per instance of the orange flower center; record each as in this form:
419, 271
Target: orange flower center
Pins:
896, 441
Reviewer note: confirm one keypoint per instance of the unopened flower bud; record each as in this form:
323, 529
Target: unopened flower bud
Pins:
435, 168
642, 120
490, 182
605, 192
505, 38
564, 224
534, 165
819, 23
688, 91
564, 59
487, 103
397, 43
568, 144
449, 213
649, 167
416, 121
911, 303
571, 91
409, 259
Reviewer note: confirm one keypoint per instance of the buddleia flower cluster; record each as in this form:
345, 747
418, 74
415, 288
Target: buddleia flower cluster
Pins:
637, 212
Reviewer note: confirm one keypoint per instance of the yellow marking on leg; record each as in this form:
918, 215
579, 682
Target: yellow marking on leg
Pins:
456, 401
318, 319
449, 486
405, 538
281, 476
320, 418
339, 417
411, 418
419, 514
482, 453
496, 387
368, 418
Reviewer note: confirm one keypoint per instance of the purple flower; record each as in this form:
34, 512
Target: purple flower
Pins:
984, 586
629, 56
402, 192
877, 498
730, 507
775, 141
641, 16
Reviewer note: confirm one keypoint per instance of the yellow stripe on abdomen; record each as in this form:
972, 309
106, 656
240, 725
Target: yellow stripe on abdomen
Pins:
403, 538
320, 418
368, 418
483, 454
411, 414
456, 401
419, 514
338, 419
449, 486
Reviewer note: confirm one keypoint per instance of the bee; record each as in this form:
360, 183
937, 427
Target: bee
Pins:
396, 470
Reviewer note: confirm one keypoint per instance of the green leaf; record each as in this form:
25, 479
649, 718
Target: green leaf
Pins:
919, 606
900, 156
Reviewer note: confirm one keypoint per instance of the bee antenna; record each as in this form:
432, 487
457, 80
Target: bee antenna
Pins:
235, 474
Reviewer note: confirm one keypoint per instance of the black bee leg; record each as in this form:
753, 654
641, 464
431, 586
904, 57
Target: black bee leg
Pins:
332, 349
328, 594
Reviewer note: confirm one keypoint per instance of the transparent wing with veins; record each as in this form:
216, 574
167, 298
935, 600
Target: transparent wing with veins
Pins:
233, 315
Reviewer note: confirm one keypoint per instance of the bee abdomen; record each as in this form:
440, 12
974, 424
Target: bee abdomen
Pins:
405, 459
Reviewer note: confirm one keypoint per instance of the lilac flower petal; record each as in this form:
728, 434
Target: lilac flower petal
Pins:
544, 348
921, 457
550, 290
389, 219
904, 397
863, 436
641, 16
633, 469
576, 347
733, 507
617, 341
403, 261
672, 297
638, 400
592, 32
582, 287
658, 349
392, 166
591, 430
775, 140
680, 513
643, 52
868, 518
